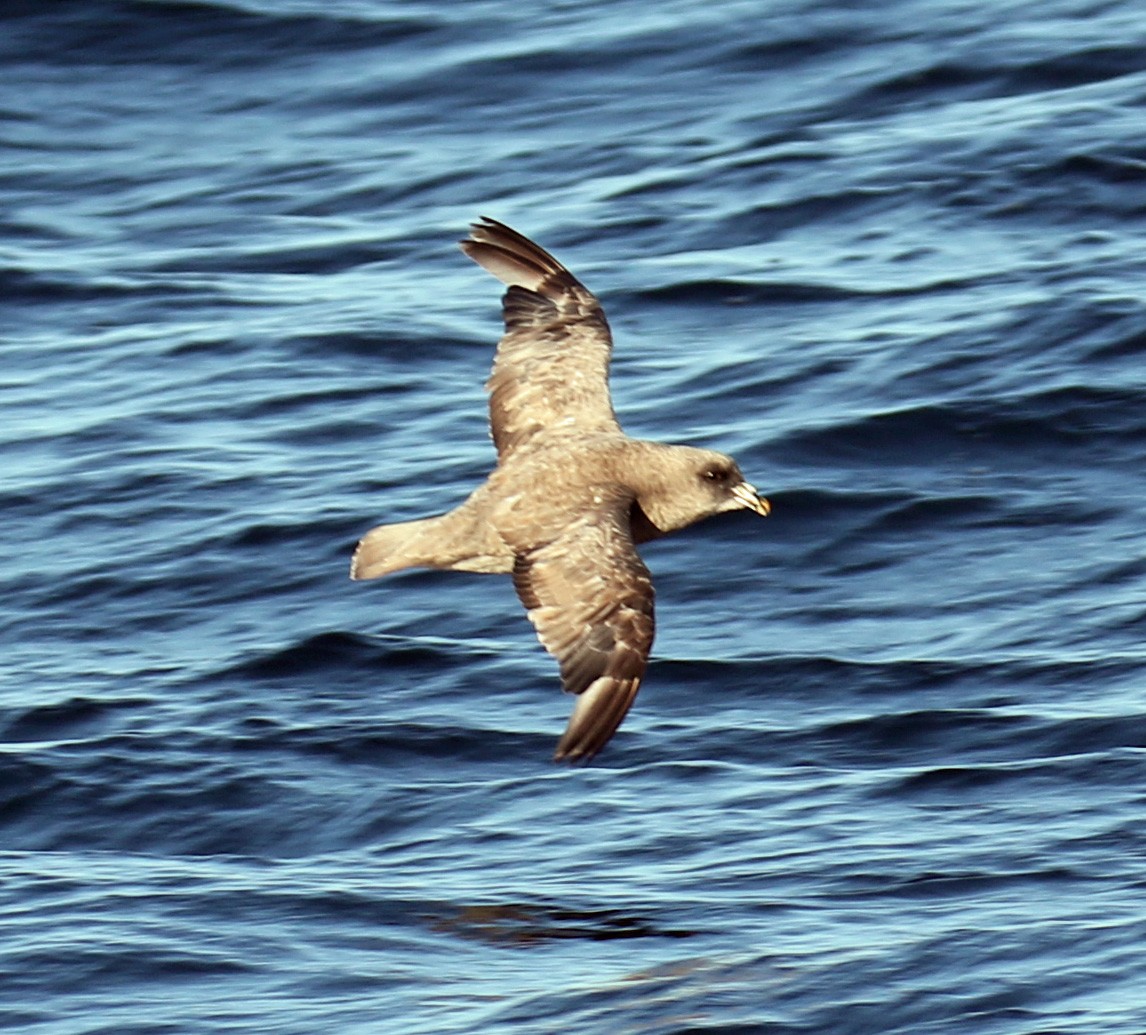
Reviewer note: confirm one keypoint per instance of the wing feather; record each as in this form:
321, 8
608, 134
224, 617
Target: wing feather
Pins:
551, 371
590, 597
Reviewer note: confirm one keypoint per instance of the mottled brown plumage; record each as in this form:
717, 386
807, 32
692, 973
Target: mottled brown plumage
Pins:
571, 495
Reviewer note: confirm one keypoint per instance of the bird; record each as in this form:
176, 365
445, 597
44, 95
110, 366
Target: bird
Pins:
571, 496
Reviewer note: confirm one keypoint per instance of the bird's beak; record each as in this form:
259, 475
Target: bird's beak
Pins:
747, 496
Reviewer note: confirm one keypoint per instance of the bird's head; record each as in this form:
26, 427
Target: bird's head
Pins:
683, 485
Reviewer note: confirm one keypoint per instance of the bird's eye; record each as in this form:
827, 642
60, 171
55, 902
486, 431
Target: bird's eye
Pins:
715, 474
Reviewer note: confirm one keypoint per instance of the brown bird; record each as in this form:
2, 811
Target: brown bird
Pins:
571, 496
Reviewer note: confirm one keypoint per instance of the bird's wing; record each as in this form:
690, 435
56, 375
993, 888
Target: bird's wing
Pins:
552, 365
590, 597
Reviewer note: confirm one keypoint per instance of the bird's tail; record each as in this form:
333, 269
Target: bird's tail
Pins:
387, 548
458, 541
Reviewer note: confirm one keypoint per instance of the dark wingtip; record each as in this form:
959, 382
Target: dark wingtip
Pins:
576, 755
590, 729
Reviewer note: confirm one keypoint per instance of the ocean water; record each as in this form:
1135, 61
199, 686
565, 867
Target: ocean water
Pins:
887, 773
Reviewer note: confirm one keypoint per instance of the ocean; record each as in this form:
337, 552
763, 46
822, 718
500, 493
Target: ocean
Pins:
887, 772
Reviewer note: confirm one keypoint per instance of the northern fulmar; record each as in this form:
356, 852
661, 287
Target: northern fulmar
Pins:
571, 496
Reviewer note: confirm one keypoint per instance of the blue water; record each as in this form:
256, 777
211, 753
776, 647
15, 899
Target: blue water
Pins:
888, 770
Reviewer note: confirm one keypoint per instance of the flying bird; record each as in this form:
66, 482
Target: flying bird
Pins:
571, 496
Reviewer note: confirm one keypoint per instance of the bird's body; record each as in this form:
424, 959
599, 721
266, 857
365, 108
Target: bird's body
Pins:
571, 495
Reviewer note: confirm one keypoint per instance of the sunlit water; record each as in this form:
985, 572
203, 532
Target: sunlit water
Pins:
888, 770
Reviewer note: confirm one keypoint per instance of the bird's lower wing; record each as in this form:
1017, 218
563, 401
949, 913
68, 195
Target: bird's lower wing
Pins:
590, 597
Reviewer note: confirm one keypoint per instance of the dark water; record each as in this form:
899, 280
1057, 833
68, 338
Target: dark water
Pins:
888, 771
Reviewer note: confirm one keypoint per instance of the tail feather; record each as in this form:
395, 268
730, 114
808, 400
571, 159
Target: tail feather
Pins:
388, 548
452, 541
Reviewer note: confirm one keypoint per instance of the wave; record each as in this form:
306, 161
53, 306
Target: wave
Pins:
1037, 423
211, 32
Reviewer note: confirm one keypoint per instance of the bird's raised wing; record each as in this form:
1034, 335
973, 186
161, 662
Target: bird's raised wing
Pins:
552, 365
590, 597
